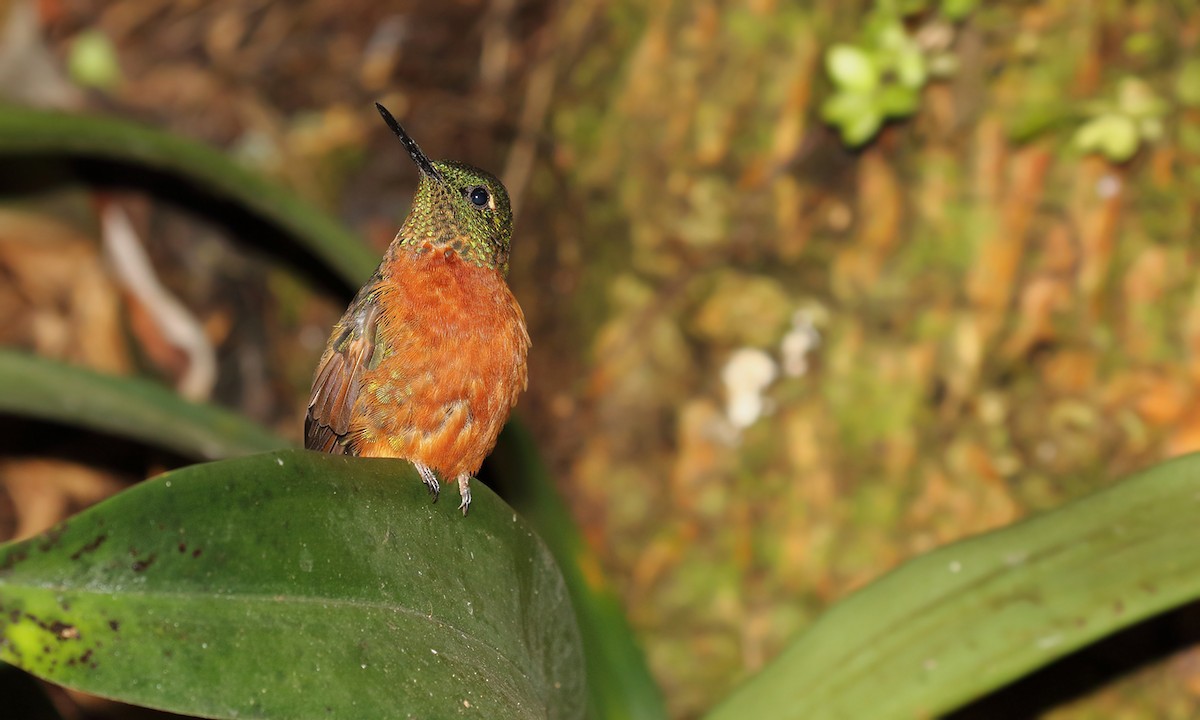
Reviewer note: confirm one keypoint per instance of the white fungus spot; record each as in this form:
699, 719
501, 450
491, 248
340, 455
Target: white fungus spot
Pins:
801, 340
955, 566
1108, 186
746, 375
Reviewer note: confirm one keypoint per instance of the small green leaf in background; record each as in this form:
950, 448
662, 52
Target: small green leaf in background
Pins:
92, 61
1187, 83
1118, 128
852, 68
958, 9
296, 585
620, 686
854, 114
900, 55
880, 79
1113, 135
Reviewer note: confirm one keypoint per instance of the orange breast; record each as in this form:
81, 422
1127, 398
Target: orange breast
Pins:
450, 364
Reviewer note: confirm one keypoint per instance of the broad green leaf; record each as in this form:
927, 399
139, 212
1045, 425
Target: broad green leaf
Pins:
955, 623
620, 686
25, 132
296, 585
128, 407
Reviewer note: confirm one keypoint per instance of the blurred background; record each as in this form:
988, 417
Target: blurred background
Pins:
813, 287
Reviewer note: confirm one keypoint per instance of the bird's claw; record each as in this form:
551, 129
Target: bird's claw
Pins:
430, 480
464, 489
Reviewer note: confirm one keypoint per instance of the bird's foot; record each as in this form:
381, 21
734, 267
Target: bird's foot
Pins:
464, 489
429, 479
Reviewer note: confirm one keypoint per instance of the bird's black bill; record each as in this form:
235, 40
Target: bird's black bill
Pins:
418, 157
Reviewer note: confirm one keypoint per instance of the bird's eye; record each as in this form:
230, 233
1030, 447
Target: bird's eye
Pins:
479, 196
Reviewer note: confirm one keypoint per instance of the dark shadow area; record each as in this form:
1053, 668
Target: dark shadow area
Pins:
24, 697
505, 484
27, 698
25, 437
505, 469
35, 174
1091, 668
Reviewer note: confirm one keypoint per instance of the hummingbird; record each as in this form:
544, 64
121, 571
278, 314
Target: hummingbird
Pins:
428, 361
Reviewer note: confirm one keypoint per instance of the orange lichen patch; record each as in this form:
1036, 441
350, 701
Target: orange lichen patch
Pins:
1095, 209
880, 215
1185, 437
1186, 667
1069, 372
593, 574
1143, 287
705, 453
1159, 398
993, 276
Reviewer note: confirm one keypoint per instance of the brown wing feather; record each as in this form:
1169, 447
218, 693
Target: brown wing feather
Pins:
339, 377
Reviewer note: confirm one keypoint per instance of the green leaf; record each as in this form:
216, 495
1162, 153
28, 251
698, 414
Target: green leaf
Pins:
620, 686
127, 407
910, 67
1114, 135
26, 132
1187, 83
858, 131
843, 107
897, 100
856, 116
852, 68
92, 61
956, 10
1035, 116
296, 585
1138, 100
955, 623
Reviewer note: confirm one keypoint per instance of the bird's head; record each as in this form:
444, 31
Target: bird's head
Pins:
457, 207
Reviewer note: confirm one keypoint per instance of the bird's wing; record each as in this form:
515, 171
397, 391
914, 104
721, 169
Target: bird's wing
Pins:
339, 377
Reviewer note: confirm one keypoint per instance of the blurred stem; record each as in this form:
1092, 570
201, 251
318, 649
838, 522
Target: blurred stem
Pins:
619, 682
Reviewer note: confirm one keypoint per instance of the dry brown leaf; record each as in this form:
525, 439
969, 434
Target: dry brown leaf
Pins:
64, 305
47, 491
